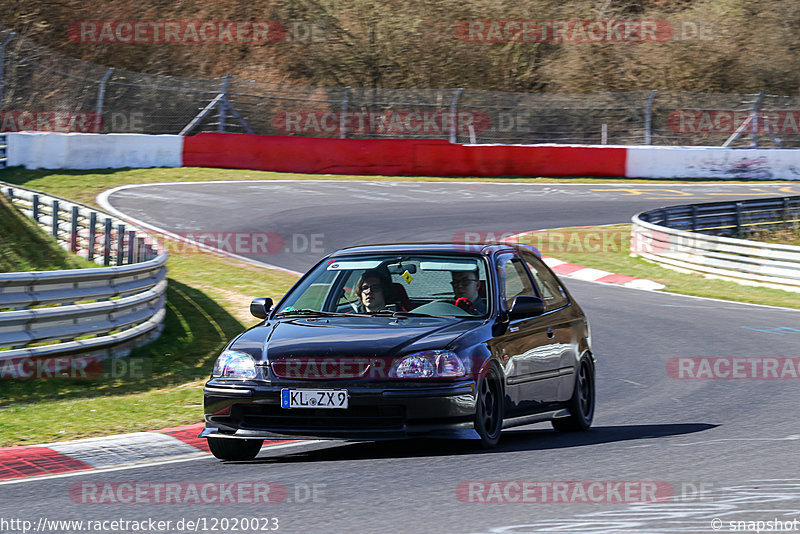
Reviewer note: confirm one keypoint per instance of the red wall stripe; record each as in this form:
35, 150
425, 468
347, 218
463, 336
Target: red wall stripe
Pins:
397, 157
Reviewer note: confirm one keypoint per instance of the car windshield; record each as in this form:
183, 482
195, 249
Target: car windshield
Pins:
406, 285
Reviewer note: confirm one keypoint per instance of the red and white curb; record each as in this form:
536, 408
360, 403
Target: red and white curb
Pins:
569, 270
105, 452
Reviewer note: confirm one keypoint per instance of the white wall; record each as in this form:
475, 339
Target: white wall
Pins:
51, 150
712, 162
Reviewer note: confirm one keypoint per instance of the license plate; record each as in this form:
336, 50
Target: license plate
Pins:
314, 398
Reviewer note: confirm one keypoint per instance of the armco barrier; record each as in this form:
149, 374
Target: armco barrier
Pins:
678, 237
121, 306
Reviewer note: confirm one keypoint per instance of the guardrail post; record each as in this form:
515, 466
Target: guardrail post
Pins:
36, 208
738, 218
694, 217
665, 216
120, 243
139, 250
55, 219
73, 231
107, 242
131, 245
92, 227
10, 195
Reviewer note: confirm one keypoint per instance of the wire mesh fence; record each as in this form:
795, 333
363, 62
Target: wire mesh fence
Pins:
41, 89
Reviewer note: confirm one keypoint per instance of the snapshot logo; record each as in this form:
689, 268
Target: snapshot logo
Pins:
243, 243
734, 368
784, 121
578, 31
565, 492
380, 122
73, 368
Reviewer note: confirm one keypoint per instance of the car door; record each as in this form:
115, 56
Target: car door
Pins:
531, 363
563, 322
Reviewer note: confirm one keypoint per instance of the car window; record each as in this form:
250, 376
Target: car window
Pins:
409, 282
549, 287
516, 281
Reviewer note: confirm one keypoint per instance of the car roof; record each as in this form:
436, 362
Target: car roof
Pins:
470, 249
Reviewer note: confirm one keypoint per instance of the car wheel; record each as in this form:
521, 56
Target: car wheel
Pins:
489, 411
581, 405
235, 449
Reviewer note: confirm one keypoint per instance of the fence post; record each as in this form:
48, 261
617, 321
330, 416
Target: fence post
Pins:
694, 217
101, 96
120, 243
92, 226
454, 116
224, 92
36, 208
73, 231
648, 118
738, 218
754, 122
54, 229
345, 102
107, 242
3, 64
131, 245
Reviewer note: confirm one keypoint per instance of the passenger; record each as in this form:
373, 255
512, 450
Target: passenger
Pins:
466, 288
374, 289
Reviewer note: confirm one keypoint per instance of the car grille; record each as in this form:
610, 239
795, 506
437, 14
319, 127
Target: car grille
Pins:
274, 418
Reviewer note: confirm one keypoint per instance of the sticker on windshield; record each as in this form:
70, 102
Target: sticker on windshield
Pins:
407, 277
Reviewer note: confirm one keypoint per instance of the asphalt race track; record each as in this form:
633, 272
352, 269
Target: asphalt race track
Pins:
720, 450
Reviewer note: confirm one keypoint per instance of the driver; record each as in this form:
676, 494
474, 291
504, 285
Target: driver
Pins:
466, 288
373, 290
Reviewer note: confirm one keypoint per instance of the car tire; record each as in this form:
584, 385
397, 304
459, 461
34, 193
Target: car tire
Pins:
490, 409
581, 404
235, 449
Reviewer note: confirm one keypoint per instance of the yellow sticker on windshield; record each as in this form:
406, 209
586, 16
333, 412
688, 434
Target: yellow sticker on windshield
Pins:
407, 277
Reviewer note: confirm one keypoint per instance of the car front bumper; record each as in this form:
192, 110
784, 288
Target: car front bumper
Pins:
374, 412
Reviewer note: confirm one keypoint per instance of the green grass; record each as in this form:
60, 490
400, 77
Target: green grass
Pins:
207, 304
25, 247
608, 248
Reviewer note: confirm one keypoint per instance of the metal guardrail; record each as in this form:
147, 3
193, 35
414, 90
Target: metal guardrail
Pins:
99, 312
698, 238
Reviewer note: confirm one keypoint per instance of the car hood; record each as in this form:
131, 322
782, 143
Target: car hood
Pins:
354, 337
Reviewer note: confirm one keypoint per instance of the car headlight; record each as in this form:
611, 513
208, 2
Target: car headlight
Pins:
429, 364
234, 364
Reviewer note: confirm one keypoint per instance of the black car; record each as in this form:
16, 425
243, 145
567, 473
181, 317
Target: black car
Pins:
406, 340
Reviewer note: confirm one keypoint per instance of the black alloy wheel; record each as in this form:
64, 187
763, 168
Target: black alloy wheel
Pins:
489, 412
581, 405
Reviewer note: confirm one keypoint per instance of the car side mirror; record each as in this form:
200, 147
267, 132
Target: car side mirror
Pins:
526, 306
261, 307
